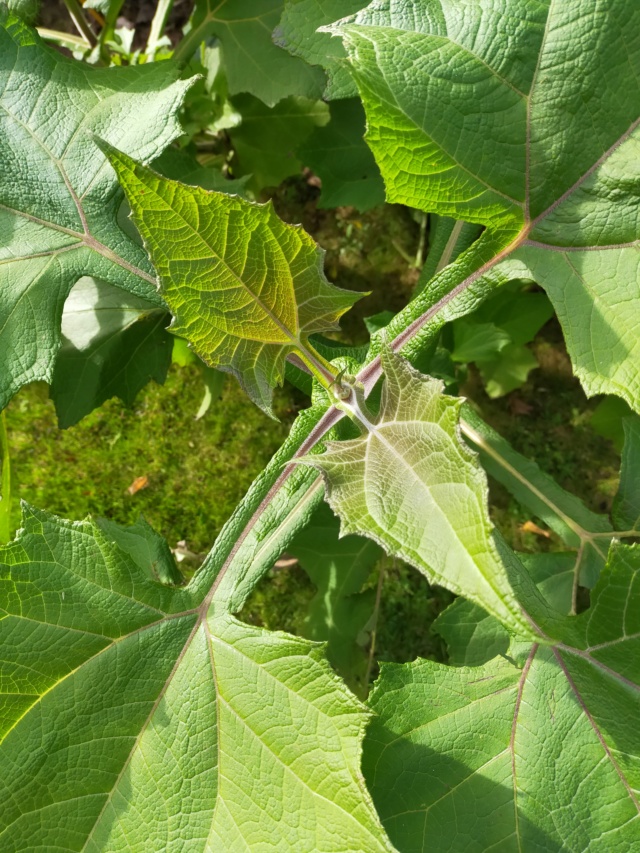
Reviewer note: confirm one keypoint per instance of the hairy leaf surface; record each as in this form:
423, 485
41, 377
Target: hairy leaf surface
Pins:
542, 755
58, 198
520, 117
246, 289
409, 480
138, 715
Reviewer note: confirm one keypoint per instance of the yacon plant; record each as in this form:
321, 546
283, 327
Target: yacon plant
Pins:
139, 714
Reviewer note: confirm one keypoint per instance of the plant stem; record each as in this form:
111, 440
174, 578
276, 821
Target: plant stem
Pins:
189, 44
67, 40
320, 368
5, 503
157, 26
77, 16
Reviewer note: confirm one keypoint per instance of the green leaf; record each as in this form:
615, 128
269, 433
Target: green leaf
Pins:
252, 61
577, 526
134, 713
506, 371
58, 198
113, 343
246, 290
338, 154
626, 506
608, 419
266, 142
408, 480
474, 637
339, 612
536, 756
553, 179
180, 164
476, 341
298, 33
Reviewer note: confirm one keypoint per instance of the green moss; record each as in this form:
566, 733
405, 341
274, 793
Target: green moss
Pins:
197, 470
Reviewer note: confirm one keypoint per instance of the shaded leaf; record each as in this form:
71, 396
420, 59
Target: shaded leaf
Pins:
252, 61
339, 612
298, 33
266, 142
626, 506
113, 343
246, 290
338, 154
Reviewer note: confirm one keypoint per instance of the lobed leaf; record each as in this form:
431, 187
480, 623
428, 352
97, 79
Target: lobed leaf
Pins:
58, 199
135, 714
246, 290
541, 754
519, 117
406, 483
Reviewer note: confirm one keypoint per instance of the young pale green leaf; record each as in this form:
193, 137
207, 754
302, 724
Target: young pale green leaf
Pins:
137, 716
542, 755
246, 290
253, 63
339, 156
113, 343
491, 108
407, 482
58, 198
339, 612
298, 33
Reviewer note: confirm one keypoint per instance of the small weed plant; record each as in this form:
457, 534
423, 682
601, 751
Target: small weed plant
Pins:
139, 711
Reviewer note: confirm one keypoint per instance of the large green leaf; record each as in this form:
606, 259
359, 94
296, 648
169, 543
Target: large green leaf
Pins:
537, 755
252, 61
408, 480
58, 198
113, 343
246, 289
137, 715
519, 116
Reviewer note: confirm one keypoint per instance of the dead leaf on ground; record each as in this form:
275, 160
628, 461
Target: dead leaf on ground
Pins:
138, 484
532, 527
